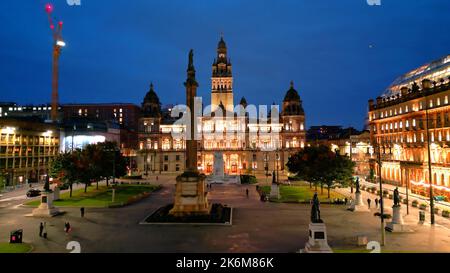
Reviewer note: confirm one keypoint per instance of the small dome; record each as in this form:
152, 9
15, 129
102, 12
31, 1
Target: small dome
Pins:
151, 106
292, 94
151, 96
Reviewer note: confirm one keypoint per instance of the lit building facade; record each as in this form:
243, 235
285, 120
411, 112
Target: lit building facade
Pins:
398, 126
354, 144
248, 145
26, 149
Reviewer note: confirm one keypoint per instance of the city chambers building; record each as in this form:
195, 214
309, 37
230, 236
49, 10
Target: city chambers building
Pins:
401, 132
247, 145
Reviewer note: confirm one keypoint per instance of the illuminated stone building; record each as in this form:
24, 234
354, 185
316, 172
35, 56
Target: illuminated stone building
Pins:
26, 149
398, 125
361, 151
249, 145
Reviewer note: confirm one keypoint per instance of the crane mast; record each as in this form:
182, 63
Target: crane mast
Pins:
58, 44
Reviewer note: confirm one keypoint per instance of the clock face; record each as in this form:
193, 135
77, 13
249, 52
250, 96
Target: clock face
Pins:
221, 55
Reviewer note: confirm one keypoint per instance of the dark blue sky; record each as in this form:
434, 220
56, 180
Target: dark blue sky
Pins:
115, 48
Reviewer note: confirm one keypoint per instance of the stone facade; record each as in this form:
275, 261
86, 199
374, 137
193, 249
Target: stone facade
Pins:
398, 126
248, 145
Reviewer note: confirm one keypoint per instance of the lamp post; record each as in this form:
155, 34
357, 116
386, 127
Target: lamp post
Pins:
383, 233
426, 85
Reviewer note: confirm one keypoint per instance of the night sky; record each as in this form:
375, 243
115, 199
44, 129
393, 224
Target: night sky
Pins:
338, 53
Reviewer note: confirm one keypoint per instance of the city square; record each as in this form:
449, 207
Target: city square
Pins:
222, 161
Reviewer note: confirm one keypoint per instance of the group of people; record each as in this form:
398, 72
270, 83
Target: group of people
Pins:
67, 226
377, 202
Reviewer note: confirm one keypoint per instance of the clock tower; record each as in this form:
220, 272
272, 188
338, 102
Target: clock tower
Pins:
222, 80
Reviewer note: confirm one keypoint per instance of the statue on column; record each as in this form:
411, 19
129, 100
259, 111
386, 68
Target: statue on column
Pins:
274, 177
357, 185
396, 198
315, 210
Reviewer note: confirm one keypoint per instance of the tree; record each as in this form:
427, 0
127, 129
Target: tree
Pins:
90, 165
112, 163
306, 163
63, 168
320, 165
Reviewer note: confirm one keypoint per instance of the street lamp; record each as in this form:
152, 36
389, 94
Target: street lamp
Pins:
383, 233
426, 85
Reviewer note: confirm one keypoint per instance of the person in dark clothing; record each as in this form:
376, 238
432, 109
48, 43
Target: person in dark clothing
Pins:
67, 227
82, 212
41, 229
45, 230
376, 202
246, 191
368, 202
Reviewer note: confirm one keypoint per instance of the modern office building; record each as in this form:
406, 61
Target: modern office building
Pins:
26, 149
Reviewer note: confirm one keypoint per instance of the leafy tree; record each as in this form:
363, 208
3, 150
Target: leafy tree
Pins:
63, 168
320, 165
90, 165
112, 162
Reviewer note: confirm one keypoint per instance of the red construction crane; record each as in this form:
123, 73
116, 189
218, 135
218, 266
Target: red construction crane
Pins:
58, 44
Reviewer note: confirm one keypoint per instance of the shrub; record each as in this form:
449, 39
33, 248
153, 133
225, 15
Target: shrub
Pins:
436, 210
133, 177
423, 206
404, 201
415, 203
391, 196
385, 216
446, 213
248, 179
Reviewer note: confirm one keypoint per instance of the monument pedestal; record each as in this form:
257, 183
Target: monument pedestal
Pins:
56, 193
358, 204
275, 192
190, 196
397, 224
318, 240
46, 208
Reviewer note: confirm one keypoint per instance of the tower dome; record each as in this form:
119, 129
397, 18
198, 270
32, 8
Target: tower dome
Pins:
292, 104
151, 107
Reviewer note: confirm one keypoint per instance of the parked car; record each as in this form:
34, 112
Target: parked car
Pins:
33, 193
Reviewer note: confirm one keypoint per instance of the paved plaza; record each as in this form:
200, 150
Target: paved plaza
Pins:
257, 227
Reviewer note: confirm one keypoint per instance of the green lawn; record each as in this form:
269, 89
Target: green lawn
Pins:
14, 248
302, 193
99, 198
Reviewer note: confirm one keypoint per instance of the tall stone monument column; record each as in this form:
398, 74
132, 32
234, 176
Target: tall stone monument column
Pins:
190, 192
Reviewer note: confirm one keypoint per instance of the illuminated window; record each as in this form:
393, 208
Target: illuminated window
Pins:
407, 124
446, 100
401, 124
438, 102
414, 123
406, 109
431, 104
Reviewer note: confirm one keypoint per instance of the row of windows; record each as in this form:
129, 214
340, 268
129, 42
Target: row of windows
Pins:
414, 107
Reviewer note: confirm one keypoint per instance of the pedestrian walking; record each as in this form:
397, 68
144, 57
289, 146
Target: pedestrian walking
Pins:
368, 202
246, 191
82, 212
41, 229
346, 200
376, 202
67, 227
45, 230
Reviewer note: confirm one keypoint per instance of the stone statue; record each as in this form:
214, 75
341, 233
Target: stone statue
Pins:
191, 59
315, 210
274, 177
357, 185
396, 198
